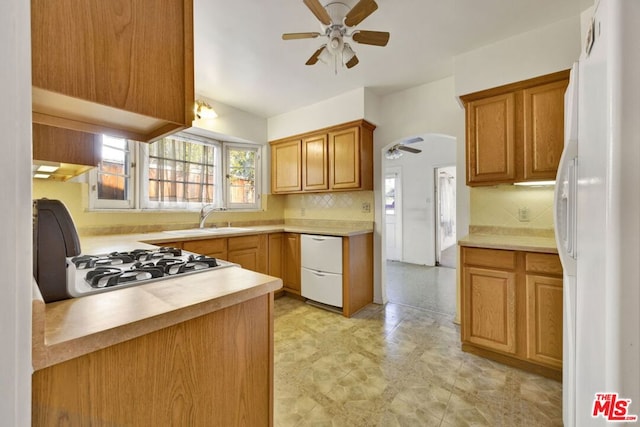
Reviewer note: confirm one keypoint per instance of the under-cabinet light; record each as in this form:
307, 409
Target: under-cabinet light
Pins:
41, 175
536, 183
47, 168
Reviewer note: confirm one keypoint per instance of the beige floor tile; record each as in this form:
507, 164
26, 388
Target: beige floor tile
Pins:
396, 365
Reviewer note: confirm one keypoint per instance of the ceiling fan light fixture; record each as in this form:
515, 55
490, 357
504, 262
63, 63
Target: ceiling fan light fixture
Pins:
393, 153
349, 57
339, 19
325, 56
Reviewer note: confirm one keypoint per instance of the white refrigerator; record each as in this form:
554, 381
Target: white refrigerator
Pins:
597, 207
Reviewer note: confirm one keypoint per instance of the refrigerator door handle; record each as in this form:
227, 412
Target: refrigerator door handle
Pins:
565, 206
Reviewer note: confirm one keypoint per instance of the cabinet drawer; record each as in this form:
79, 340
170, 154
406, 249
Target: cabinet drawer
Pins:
322, 287
208, 246
493, 258
543, 263
244, 242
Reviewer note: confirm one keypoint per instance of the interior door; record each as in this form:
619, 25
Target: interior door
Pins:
445, 186
393, 213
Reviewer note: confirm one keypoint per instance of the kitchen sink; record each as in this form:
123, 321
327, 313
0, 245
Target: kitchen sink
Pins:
207, 231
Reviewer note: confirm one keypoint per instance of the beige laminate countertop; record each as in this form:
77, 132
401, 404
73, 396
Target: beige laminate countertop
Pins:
67, 329
122, 242
510, 242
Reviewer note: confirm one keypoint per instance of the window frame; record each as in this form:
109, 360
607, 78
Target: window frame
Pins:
143, 177
227, 146
131, 202
139, 179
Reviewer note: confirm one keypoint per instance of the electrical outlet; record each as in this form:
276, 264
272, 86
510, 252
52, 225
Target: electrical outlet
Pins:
366, 207
523, 214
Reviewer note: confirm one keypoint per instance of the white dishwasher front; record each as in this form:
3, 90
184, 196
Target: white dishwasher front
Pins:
322, 269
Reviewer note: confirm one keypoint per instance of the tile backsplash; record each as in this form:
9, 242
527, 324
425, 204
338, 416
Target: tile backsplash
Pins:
352, 205
505, 206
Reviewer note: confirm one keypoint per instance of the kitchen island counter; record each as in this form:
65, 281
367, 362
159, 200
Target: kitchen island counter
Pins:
194, 349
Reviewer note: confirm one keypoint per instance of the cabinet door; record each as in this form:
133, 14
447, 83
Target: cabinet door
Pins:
276, 248
543, 130
67, 146
489, 308
291, 273
544, 319
286, 171
315, 163
344, 159
491, 142
215, 248
106, 65
249, 251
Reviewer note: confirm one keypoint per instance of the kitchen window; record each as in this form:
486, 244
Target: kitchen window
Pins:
111, 184
182, 171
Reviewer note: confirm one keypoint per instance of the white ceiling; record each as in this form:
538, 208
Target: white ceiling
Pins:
241, 60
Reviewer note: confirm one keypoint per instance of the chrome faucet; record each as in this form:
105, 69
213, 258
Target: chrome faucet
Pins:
204, 213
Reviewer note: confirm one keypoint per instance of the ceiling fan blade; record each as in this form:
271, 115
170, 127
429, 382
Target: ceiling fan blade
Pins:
409, 149
319, 11
375, 38
413, 140
359, 12
352, 62
315, 56
294, 36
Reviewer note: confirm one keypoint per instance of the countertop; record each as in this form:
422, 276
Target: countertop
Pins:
120, 242
515, 240
67, 329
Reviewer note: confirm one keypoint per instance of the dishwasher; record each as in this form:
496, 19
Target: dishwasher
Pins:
322, 269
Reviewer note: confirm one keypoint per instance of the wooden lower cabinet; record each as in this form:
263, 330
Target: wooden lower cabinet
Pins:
249, 251
291, 280
490, 296
275, 251
215, 248
214, 370
512, 308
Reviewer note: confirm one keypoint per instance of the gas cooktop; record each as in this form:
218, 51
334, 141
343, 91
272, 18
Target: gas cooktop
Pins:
89, 274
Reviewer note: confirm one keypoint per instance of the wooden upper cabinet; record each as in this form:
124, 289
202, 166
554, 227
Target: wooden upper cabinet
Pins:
344, 158
315, 162
338, 158
286, 167
63, 145
515, 132
118, 67
543, 129
491, 139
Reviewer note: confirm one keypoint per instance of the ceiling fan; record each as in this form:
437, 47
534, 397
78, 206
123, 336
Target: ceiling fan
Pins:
338, 21
395, 152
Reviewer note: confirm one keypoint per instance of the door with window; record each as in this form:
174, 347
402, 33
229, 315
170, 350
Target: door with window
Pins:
393, 213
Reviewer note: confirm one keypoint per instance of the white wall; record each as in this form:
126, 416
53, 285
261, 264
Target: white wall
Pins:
232, 124
531, 54
15, 219
418, 195
340, 109
431, 108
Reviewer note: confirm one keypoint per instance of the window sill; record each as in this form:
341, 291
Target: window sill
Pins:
176, 211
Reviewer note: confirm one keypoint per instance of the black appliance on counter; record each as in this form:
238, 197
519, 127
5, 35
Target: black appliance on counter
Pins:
54, 240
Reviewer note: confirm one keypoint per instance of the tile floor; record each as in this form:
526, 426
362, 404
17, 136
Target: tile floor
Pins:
397, 365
